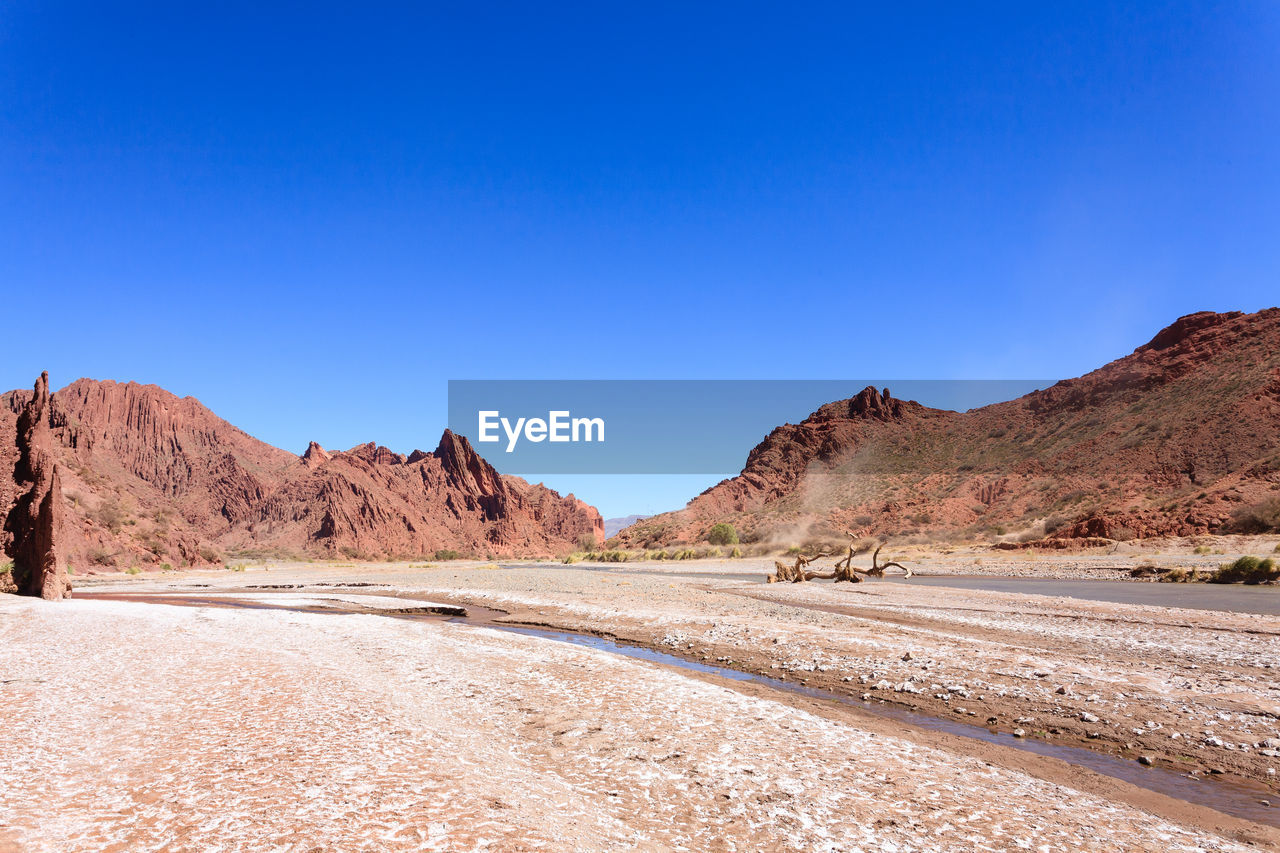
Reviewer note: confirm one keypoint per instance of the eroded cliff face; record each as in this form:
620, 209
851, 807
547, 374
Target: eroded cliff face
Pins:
372, 502
1180, 437
150, 478
35, 523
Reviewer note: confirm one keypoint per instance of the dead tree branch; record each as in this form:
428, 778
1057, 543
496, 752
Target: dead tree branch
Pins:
797, 573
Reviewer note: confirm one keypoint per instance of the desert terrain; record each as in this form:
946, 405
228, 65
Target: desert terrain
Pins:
652, 706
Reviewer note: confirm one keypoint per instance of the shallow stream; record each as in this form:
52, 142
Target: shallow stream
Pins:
1224, 797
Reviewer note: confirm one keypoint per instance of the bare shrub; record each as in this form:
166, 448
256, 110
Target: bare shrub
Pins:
1262, 517
110, 514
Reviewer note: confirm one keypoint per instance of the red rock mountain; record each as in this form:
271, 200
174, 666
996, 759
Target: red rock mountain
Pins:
148, 477
1178, 438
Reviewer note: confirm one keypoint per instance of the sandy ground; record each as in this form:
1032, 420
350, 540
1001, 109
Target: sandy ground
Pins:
1191, 689
149, 727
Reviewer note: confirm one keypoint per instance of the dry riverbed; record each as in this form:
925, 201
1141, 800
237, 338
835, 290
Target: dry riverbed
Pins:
149, 726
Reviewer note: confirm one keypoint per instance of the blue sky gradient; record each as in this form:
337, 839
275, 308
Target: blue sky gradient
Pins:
312, 216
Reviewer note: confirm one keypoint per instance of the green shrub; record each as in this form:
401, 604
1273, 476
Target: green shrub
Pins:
166, 567
133, 570
7, 568
573, 558
685, 554
614, 556
447, 554
1201, 549
736, 552
722, 534
235, 567
1248, 570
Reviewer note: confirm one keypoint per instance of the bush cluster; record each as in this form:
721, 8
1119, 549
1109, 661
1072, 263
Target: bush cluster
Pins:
1248, 570
722, 534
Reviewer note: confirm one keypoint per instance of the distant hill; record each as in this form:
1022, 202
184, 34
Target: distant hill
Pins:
1180, 437
613, 525
151, 478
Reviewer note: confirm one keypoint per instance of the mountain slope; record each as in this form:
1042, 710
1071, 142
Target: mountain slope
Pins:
613, 525
1180, 437
150, 477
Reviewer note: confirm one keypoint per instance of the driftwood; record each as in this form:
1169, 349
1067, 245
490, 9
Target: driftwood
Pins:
844, 569
798, 572
847, 571
877, 568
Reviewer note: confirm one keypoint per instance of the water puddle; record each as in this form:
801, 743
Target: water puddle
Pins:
1260, 600
1220, 796
1234, 598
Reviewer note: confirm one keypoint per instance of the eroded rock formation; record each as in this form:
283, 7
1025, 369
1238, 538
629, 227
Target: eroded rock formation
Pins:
1179, 438
151, 478
35, 523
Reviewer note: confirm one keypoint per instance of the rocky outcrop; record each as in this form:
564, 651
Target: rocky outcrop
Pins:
35, 523
1181, 437
315, 455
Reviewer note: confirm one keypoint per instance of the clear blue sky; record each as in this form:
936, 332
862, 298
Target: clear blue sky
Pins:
310, 216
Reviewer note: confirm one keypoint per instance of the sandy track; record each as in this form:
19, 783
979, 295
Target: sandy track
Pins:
148, 727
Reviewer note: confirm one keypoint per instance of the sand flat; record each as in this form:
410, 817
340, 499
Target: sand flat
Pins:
154, 727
